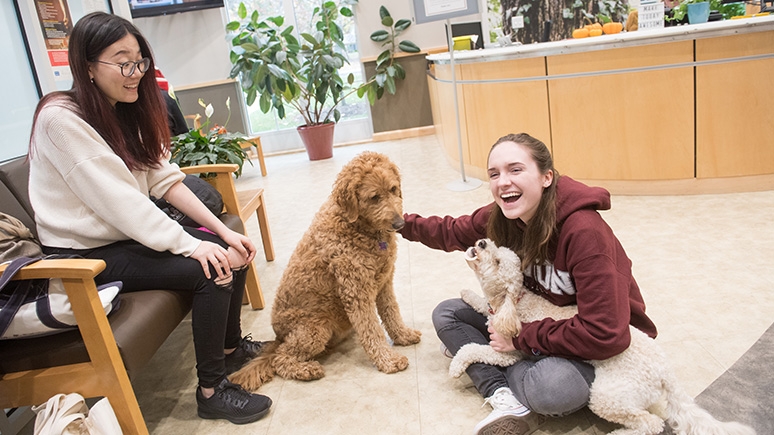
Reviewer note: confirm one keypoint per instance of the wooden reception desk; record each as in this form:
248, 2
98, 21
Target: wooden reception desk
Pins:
686, 109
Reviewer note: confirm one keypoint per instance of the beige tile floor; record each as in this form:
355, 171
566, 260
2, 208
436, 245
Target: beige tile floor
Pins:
701, 262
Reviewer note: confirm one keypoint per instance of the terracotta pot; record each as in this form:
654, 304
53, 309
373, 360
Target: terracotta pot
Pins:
318, 140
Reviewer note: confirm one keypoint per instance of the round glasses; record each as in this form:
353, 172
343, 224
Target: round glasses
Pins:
127, 68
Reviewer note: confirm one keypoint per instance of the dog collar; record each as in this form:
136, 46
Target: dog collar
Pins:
382, 246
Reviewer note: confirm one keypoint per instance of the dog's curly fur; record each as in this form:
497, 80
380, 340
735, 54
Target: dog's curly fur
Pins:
337, 279
627, 388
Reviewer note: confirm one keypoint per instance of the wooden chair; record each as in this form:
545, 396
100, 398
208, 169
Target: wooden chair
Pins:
103, 375
242, 204
254, 149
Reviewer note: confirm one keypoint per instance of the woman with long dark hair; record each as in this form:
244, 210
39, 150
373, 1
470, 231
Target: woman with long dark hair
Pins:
569, 256
97, 152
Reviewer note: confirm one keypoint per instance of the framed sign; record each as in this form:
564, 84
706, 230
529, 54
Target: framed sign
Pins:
426, 11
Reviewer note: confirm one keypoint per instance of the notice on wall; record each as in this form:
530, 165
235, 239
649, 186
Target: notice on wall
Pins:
437, 7
56, 25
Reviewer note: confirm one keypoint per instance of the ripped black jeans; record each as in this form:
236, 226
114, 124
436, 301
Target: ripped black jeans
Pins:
216, 308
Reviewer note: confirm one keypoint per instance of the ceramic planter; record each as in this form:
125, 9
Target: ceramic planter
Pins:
698, 12
318, 140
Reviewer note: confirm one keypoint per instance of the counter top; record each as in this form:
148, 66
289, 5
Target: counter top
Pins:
604, 42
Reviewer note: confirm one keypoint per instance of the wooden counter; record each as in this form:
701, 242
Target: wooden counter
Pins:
683, 109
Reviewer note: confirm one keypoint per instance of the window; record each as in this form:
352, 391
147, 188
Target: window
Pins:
298, 13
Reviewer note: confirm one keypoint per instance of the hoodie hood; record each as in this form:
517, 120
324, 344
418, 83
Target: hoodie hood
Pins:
573, 196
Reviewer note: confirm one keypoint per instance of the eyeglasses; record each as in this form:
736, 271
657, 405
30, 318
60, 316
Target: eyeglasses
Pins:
127, 68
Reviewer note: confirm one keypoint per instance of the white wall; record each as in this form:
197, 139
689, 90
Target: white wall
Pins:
189, 48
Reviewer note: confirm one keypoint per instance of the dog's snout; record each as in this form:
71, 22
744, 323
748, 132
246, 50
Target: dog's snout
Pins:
398, 223
481, 244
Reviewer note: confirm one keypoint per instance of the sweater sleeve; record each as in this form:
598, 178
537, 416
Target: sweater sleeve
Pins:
447, 233
104, 198
600, 330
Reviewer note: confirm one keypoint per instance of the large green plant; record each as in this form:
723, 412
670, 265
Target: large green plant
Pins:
277, 68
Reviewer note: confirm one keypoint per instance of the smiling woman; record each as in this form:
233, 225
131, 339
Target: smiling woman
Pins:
120, 84
97, 152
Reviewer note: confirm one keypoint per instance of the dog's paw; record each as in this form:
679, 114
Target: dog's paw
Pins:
392, 363
478, 302
407, 337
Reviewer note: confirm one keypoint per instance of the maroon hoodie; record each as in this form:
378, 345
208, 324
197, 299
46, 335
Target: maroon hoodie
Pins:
589, 268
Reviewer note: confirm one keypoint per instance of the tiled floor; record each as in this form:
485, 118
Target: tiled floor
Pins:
703, 263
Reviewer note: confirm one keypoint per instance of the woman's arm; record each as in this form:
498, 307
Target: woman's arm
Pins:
181, 197
447, 233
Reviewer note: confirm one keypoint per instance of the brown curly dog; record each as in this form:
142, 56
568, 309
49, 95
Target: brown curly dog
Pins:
337, 279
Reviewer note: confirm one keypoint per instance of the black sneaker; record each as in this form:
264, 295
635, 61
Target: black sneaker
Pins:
231, 402
244, 352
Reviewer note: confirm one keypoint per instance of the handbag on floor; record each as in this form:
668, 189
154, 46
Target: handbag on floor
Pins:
34, 307
67, 414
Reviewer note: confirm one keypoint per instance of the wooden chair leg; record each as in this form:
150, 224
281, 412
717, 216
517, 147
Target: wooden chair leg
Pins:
259, 149
253, 292
263, 224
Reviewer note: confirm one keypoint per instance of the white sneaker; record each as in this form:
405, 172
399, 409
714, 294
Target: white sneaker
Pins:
507, 416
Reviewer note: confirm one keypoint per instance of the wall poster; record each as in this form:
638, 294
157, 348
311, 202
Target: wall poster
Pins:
56, 25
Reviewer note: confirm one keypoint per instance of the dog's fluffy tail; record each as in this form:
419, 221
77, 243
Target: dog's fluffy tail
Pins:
259, 370
687, 418
479, 353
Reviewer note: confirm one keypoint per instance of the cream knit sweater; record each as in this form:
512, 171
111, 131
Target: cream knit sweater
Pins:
84, 196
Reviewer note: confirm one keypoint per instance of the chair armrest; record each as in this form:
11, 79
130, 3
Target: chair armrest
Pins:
83, 269
222, 178
218, 168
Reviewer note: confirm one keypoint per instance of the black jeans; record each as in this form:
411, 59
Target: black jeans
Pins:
216, 308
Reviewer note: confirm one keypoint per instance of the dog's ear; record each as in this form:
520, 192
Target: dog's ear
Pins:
506, 321
345, 194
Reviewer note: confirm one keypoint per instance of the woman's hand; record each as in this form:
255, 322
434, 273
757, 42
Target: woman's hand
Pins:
240, 245
500, 343
210, 253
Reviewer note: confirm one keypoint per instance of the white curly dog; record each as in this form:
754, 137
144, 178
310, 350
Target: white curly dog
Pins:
627, 388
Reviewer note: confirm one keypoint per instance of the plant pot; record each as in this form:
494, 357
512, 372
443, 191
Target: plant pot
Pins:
698, 12
318, 140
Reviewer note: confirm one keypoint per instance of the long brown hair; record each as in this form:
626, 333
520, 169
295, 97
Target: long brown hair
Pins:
533, 241
137, 132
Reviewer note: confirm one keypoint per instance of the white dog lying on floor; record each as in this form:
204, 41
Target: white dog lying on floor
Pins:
626, 388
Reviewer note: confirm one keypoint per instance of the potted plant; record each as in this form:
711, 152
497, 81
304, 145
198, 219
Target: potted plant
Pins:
209, 145
277, 69
698, 12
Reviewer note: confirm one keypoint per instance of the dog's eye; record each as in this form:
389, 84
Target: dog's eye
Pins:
376, 198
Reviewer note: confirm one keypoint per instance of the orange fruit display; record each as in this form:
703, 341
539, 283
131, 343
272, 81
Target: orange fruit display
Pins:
611, 28
580, 33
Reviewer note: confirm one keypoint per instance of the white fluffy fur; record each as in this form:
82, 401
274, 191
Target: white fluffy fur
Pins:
627, 388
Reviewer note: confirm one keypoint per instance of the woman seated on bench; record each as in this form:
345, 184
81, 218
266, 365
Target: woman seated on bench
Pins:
96, 153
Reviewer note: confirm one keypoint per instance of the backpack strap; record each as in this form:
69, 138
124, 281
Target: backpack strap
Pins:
16, 300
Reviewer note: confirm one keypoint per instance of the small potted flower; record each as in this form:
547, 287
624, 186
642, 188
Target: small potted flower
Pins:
209, 145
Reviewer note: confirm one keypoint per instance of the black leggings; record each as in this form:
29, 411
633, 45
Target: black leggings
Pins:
216, 307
